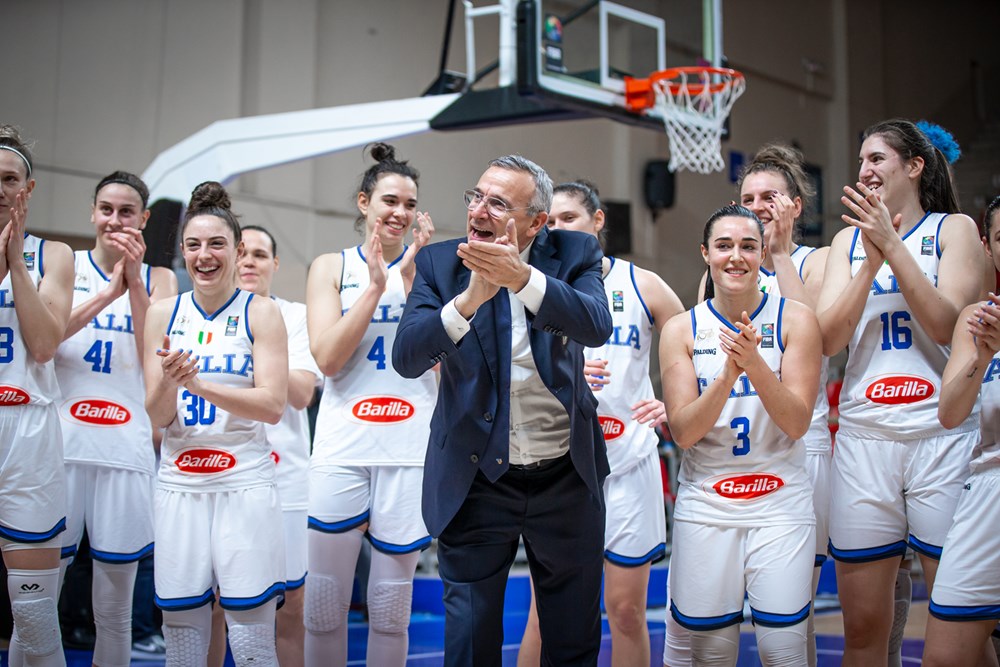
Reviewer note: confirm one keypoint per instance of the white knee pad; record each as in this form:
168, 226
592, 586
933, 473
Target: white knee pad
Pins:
782, 647
715, 648
326, 604
112, 599
33, 606
187, 634
389, 607
252, 644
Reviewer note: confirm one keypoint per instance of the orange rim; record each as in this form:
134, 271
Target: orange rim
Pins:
639, 93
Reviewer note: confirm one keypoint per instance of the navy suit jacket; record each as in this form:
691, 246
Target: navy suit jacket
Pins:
471, 422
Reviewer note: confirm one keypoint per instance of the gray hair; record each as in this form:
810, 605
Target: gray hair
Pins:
541, 201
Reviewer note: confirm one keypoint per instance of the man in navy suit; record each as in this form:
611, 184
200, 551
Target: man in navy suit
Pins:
516, 448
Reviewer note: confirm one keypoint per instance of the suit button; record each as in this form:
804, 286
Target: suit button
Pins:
488, 417
474, 458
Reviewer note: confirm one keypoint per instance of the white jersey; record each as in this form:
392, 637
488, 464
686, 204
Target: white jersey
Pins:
745, 471
627, 353
103, 413
818, 438
369, 414
23, 380
289, 438
206, 448
892, 381
987, 452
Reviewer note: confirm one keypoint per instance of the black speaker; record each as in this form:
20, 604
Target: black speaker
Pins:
618, 225
160, 233
659, 185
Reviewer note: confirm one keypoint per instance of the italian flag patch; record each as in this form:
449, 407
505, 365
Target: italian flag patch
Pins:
204, 337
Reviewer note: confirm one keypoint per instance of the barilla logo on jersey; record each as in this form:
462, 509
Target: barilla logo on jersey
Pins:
10, 395
747, 487
383, 409
98, 412
899, 389
275, 457
612, 427
205, 461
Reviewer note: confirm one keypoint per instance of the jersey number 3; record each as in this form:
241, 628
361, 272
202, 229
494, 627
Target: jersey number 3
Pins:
6, 345
742, 427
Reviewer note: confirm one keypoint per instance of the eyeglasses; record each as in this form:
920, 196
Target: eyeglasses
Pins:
495, 208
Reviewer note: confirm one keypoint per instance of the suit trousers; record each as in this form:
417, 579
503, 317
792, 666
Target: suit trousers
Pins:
563, 528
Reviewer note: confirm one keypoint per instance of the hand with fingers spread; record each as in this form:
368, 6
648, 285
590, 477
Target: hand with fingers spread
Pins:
423, 230
650, 411
597, 373
878, 227
378, 271
778, 233
741, 345
984, 325
498, 262
16, 229
180, 368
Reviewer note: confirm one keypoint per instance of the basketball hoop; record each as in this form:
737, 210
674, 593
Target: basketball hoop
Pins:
694, 103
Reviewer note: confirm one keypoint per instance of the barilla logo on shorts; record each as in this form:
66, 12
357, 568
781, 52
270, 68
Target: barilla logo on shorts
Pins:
748, 487
275, 457
10, 395
383, 409
612, 427
205, 461
898, 389
98, 412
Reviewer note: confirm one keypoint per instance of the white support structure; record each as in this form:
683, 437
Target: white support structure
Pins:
225, 149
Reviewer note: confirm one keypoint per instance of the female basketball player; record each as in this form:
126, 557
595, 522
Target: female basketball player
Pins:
371, 434
740, 373
216, 365
107, 437
635, 532
895, 282
36, 294
965, 605
289, 438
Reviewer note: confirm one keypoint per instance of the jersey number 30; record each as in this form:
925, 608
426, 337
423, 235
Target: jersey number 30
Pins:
199, 411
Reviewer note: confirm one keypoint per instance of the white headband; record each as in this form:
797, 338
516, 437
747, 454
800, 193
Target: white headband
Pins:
19, 154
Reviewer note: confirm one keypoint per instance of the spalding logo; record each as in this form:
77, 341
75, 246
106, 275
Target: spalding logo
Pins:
205, 461
10, 395
99, 412
897, 389
749, 486
383, 409
612, 427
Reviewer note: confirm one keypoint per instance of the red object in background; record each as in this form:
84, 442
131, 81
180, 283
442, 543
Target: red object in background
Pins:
833, 395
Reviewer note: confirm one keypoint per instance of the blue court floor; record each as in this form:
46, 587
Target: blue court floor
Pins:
427, 629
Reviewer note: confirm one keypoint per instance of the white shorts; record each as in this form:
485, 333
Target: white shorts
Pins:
818, 467
232, 539
635, 532
116, 505
967, 586
296, 524
677, 641
342, 498
712, 567
32, 476
883, 492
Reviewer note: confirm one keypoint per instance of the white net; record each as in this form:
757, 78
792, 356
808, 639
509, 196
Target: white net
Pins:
694, 106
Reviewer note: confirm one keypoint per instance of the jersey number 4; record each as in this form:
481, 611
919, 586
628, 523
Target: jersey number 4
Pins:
742, 427
377, 353
6, 345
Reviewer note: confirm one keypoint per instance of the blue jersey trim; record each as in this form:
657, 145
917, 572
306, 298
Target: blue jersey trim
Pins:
947, 612
41, 256
67, 552
929, 550
389, 548
149, 280
915, 227
177, 305
394, 262
694, 325
937, 238
241, 604
296, 584
854, 244
704, 623
892, 550
246, 317
183, 604
803, 264
631, 271
224, 306
729, 324
820, 559
111, 557
766, 272
339, 526
781, 312
28, 537
90, 256
657, 553
769, 620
